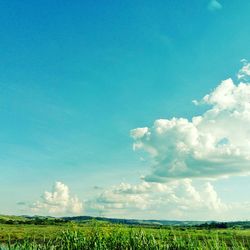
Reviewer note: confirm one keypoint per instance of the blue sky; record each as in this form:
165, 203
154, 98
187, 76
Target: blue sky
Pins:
77, 77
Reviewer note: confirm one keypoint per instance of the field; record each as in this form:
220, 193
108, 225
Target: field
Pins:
104, 235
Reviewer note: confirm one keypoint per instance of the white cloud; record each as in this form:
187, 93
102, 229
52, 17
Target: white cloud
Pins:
174, 200
58, 202
214, 5
212, 199
244, 72
212, 145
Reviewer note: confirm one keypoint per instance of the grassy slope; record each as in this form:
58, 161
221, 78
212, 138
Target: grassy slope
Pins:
18, 232
95, 232
12, 217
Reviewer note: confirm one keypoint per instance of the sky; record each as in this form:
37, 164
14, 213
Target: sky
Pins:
129, 109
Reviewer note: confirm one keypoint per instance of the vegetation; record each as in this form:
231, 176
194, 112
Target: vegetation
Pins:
53, 234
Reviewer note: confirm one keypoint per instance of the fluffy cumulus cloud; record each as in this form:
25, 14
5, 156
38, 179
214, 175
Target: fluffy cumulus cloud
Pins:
175, 200
214, 144
58, 202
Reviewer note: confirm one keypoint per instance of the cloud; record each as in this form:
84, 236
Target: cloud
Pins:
213, 145
244, 72
212, 200
21, 203
184, 154
178, 199
214, 5
58, 202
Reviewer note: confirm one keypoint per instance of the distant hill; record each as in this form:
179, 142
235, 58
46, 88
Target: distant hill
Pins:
134, 221
48, 220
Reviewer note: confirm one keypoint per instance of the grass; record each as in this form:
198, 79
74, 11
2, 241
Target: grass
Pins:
108, 237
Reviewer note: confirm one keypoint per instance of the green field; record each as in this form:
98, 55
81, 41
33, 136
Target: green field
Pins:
105, 235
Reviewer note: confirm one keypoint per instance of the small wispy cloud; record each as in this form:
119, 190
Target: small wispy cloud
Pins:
244, 72
214, 5
21, 203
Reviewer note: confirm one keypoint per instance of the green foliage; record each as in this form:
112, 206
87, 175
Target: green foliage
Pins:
96, 236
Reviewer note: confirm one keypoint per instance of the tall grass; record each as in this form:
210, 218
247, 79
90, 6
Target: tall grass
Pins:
118, 238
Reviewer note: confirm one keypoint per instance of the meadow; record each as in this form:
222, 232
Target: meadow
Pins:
104, 235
